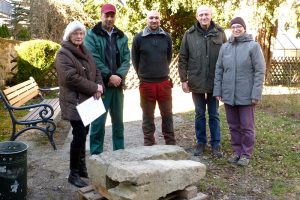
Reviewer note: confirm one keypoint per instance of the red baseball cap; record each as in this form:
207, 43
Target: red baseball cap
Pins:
106, 8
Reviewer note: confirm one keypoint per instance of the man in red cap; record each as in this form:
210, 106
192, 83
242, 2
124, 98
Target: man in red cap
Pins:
109, 46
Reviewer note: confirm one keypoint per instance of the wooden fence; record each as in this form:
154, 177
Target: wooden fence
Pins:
284, 71
132, 81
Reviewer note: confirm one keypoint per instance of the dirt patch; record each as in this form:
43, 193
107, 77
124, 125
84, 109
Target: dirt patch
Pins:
48, 169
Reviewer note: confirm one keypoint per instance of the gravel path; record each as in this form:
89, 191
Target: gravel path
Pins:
48, 169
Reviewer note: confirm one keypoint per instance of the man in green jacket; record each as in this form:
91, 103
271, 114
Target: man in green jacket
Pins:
109, 47
197, 60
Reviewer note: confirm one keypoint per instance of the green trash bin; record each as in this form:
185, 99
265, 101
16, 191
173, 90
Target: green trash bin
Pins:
13, 170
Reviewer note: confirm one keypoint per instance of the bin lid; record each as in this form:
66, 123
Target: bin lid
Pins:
9, 147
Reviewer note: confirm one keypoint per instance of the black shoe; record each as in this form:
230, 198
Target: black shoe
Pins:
199, 149
216, 151
75, 179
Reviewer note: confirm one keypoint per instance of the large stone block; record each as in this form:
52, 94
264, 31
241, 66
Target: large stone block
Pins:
98, 164
152, 179
143, 172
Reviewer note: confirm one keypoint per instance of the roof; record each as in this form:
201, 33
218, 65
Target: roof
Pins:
287, 40
5, 8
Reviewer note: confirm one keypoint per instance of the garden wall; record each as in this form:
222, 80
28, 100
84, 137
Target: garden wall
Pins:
7, 53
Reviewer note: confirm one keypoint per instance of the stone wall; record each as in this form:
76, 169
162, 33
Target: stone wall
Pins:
7, 53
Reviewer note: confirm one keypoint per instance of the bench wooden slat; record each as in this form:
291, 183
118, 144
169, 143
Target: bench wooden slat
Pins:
56, 108
20, 85
34, 114
24, 98
18, 92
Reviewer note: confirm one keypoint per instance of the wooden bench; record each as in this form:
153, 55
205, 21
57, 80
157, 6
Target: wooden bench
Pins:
40, 116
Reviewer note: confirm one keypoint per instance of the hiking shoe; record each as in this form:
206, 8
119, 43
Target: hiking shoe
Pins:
234, 158
216, 151
199, 149
243, 161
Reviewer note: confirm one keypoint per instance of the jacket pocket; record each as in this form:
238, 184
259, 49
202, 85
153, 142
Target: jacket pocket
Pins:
217, 41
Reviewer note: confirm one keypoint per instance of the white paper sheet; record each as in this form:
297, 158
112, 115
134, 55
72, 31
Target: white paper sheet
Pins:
90, 109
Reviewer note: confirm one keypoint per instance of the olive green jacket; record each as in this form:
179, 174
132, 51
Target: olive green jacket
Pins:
198, 56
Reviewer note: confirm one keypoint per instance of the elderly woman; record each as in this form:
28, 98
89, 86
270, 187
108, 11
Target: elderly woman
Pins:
79, 79
239, 77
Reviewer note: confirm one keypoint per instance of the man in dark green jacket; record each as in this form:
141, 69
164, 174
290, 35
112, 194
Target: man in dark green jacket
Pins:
109, 47
197, 60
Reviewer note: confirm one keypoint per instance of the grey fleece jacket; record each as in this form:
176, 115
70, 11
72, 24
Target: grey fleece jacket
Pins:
240, 71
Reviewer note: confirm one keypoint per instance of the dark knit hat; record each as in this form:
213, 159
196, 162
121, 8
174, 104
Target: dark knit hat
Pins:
238, 20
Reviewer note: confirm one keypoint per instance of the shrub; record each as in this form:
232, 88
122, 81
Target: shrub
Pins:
36, 59
23, 34
4, 32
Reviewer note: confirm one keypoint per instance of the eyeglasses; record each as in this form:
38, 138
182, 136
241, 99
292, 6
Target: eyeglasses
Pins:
236, 27
151, 17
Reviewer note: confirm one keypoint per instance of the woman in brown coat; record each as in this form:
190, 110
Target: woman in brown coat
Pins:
79, 79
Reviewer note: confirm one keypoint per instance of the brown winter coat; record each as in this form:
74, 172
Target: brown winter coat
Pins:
77, 78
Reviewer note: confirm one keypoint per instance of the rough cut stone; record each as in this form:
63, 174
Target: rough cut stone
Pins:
152, 179
98, 164
143, 172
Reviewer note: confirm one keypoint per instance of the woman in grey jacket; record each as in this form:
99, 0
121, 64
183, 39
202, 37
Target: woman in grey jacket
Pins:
239, 77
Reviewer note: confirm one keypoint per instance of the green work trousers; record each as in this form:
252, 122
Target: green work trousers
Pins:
113, 100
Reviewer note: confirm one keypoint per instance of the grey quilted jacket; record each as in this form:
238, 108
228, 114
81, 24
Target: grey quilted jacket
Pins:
240, 71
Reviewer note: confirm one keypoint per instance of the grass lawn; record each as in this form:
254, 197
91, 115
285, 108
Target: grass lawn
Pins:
6, 124
274, 170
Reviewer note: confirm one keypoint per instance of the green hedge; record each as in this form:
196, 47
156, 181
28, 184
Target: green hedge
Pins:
23, 34
36, 58
4, 32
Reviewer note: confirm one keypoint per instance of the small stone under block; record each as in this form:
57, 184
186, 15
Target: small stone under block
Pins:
189, 193
89, 193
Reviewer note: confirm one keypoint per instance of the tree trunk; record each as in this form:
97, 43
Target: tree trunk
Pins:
266, 36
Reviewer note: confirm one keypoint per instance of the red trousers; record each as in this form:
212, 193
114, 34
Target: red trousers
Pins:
160, 92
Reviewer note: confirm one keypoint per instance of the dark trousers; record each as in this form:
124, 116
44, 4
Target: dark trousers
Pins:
150, 93
79, 134
200, 102
77, 147
242, 128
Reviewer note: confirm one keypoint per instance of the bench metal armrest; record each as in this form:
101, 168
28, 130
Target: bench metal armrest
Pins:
46, 113
48, 89
44, 90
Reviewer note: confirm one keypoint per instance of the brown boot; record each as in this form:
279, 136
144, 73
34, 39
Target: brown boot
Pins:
169, 138
149, 139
